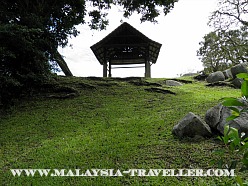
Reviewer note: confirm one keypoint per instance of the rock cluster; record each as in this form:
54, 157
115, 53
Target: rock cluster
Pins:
216, 117
214, 122
229, 74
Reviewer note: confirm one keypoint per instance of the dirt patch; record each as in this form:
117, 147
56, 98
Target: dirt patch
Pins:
85, 86
160, 90
63, 95
63, 92
220, 84
144, 83
181, 81
107, 84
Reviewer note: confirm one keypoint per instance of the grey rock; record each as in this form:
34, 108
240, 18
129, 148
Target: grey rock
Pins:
240, 68
225, 113
213, 116
215, 77
237, 82
173, 83
240, 123
190, 126
228, 74
216, 119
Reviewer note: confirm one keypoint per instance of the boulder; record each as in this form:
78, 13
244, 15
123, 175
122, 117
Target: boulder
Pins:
240, 123
240, 68
173, 83
215, 77
213, 116
237, 82
191, 125
228, 74
216, 119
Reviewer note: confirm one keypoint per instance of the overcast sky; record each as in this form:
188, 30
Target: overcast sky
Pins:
179, 33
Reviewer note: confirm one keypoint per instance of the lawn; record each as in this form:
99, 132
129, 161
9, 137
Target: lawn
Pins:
112, 124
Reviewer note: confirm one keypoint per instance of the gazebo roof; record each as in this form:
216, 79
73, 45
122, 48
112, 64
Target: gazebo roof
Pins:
126, 45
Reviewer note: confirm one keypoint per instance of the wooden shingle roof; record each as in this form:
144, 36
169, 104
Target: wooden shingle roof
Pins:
126, 45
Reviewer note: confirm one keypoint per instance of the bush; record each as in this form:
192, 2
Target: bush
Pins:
24, 60
236, 144
10, 89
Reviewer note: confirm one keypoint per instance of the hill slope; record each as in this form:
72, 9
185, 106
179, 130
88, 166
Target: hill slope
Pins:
107, 124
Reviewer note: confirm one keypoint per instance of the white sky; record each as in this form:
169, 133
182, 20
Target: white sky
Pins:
179, 33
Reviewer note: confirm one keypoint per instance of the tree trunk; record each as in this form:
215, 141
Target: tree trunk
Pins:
62, 64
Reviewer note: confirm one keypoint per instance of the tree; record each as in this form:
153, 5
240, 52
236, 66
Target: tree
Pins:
59, 17
56, 19
227, 45
222, 49
149, 10
230, 14
32, 30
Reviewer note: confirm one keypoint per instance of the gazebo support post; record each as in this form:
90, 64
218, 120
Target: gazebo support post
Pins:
105, 69
109, 75
105, 65
147, 69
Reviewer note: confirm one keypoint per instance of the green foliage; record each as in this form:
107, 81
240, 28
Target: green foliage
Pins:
233, 103
147, 9
10, 88
244, 86
232, 138
23, 60
57, 19
229, 14
222, 49
226, 45
32, 30
236, 144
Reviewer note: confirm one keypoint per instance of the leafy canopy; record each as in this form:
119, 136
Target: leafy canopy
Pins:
221, 49
59, 17
227, 45
32, 30
230, 14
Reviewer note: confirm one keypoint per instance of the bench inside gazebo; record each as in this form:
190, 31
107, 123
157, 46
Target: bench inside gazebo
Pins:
126, 47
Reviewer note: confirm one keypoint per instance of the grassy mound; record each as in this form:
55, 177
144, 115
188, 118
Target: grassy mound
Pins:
109, 124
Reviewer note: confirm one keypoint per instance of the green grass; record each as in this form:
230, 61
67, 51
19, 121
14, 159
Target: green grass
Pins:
117, 125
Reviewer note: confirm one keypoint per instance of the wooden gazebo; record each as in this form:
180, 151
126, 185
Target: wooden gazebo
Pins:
126, 46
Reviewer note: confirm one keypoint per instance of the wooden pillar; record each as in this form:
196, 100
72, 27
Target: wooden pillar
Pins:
147, 69
105, 65
109, 75
105, 69
147, 64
